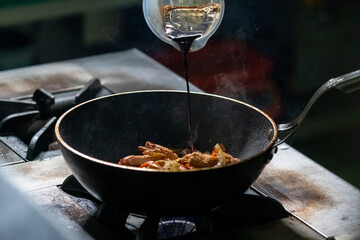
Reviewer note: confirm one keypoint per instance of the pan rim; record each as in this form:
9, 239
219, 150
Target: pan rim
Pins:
110, 164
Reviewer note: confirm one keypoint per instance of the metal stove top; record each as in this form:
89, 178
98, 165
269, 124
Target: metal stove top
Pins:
309, 192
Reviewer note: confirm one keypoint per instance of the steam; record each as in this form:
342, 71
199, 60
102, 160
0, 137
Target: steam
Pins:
230, 85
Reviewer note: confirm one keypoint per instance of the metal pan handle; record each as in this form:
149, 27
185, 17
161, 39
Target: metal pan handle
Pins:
346, 83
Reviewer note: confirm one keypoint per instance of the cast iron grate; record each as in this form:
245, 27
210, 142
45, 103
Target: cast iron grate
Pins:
27, 125
244, 210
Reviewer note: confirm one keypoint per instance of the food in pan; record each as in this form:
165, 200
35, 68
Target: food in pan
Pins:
155, 156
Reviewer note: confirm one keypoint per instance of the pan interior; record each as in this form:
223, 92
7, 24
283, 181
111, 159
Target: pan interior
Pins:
113, 127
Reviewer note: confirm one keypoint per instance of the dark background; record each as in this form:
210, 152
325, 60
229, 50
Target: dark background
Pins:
272, 54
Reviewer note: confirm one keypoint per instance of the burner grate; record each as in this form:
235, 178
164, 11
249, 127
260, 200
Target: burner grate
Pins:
30, 122
176, 227
244, 210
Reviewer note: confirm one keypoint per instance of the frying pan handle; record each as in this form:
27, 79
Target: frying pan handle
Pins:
346, 83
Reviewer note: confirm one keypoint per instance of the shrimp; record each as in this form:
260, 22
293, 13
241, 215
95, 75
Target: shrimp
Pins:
136, 160
156, 149
151, 152
200, 160
155, 156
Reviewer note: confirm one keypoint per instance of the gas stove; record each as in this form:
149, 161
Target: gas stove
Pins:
294, 198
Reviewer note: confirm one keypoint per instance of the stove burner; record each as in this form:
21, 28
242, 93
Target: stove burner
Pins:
243, 211
32, 120
175, 227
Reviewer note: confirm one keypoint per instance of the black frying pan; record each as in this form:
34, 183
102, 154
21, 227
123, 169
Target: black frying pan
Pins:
94, 135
